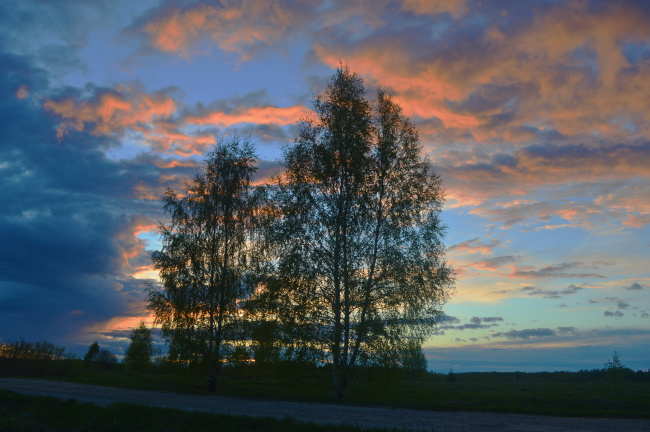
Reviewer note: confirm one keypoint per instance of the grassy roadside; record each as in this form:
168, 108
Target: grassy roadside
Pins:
558, 394
596, 393
32, 413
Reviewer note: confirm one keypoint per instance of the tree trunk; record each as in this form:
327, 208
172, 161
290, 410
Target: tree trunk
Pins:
340, 382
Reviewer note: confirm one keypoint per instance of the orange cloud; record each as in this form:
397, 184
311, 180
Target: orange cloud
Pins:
635, 221
255, 115
565, 72
111, 112
122, 323
133, 248
422, 7
234, 26
22, 92
475, 246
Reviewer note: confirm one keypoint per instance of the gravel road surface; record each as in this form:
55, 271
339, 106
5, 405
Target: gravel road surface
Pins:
324, 413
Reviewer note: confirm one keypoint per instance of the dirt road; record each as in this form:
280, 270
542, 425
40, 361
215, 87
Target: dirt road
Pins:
324, 413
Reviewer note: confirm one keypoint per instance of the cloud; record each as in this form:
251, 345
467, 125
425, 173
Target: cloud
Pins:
553, 271
571, 289
561, 67
512, 102
244, 28
475, 323
495, 263
158, 121
634, 287
111, 111
254, 115
69, 222
545, 165
46, 32
435, 7
534, 333
617, 314
476, 246
447, 319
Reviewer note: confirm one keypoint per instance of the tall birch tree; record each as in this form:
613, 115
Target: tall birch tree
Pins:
203, 261
359, 267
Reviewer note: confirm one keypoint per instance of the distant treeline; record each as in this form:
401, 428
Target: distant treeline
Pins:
42, 358
35, 359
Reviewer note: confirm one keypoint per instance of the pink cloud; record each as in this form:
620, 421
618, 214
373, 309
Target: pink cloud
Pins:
22, 92
422, 7
110, 112
255, 115
239, 27
546, 67
475, 246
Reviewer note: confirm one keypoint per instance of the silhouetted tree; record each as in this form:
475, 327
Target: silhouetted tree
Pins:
412, 357
106, 359
96, 357
359, 263
203, 260
138, 354
614, 364
22, 349
91, 355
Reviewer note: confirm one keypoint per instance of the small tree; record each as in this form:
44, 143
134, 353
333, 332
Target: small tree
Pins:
615, 368
96, 357
106, 359
91, 356
614, 364
140, 350
205, 256
412, 357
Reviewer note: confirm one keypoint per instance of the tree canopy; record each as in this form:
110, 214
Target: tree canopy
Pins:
204, 254
140, 350
340, 259
359, 271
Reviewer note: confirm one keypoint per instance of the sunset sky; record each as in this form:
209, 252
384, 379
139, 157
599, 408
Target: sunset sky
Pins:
536, 114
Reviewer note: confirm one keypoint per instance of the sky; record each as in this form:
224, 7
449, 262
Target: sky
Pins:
535, 114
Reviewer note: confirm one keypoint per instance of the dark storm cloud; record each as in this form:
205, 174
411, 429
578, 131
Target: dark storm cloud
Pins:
67, 220
635, 286
54, 31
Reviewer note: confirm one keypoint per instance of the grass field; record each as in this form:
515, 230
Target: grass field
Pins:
624, 394
33, 413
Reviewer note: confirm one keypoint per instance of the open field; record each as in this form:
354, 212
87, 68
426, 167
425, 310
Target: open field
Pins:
298, 415
582, 394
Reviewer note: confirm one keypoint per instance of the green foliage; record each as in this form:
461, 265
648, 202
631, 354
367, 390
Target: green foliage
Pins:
205, 257
357, 262
140, 351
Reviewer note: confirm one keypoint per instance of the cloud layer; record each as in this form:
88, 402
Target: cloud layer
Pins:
535, 114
